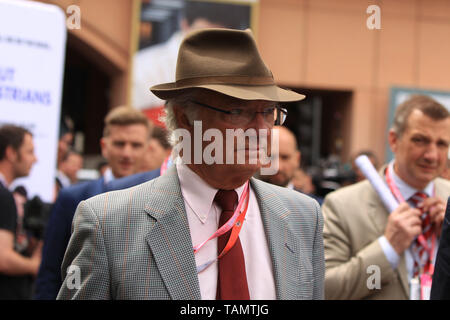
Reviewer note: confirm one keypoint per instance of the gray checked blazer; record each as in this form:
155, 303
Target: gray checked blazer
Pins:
136, 244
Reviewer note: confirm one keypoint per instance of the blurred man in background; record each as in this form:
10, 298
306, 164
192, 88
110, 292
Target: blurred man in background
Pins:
66, 137
159, 149
68, 168
124, 143
289, 157
20, 256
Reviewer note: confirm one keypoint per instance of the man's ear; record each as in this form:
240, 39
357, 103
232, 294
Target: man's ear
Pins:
393, 140
181, 119
298, 157
103, 147
11, 154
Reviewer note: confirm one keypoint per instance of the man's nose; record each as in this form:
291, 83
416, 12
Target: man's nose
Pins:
259, 122
127, 150
432, 153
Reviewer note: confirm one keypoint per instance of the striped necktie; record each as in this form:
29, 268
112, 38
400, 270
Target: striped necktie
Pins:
421, 256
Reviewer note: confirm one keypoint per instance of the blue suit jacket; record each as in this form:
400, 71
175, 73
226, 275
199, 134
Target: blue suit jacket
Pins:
58, 233
59, 227
133, 180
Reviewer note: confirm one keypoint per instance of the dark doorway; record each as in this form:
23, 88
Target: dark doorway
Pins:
85, 98
321, 123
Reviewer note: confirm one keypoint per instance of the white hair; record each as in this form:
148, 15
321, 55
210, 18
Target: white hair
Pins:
183, 102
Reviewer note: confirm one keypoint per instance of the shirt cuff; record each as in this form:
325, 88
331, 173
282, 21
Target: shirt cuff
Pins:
389, 252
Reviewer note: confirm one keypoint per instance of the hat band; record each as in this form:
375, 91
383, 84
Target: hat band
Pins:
230, 80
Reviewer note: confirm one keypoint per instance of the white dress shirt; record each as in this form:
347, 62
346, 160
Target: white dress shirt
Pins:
108, 176
63, 179
3, 181
203, 218
407, 192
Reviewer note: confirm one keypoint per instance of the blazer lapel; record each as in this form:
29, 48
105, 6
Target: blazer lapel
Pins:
441, 191
170, 240
283, 244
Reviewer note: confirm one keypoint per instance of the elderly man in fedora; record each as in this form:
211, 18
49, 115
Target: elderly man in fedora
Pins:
204, 230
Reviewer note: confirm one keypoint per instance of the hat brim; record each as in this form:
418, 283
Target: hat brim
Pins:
244, 92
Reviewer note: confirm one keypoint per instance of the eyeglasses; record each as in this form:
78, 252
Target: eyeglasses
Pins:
272, 115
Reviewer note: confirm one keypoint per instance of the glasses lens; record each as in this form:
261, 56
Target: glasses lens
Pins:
280, 116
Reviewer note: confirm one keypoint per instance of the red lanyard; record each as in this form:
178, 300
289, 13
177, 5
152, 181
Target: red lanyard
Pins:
396, 192
235, 223
165, 165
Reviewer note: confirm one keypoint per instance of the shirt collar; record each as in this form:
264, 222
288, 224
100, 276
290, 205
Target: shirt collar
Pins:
108, 176
65, 181
197, 193
3, 181
405, 189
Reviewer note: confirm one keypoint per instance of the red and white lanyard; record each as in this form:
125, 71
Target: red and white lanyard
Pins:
235, 223
165, 165
396, 192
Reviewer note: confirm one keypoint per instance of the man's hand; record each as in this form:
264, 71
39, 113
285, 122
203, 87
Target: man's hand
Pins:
403, 226
436, 208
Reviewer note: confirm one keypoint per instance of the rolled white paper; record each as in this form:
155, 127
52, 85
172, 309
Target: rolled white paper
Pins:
378, 184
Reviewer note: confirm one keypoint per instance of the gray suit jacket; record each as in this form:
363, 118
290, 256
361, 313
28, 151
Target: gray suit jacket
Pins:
136, 244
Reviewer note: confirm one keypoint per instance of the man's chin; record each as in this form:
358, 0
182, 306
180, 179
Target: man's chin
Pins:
124, 172
423, 178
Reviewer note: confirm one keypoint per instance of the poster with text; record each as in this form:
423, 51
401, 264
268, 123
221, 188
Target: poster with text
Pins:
162, 26
32, 52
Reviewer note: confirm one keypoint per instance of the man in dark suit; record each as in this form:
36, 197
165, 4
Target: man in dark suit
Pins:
18, 256
124, 142
440, 289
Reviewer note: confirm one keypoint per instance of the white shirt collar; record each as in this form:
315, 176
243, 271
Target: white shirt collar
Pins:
3, 180
197, 193
65, 181
405, 189
108, 176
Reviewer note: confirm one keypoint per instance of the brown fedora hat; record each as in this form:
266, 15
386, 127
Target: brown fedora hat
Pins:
226, 61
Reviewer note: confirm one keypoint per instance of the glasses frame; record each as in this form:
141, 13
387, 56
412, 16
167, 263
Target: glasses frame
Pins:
279, 109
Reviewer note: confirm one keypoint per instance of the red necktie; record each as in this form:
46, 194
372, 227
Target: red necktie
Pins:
232, 279
421, 256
